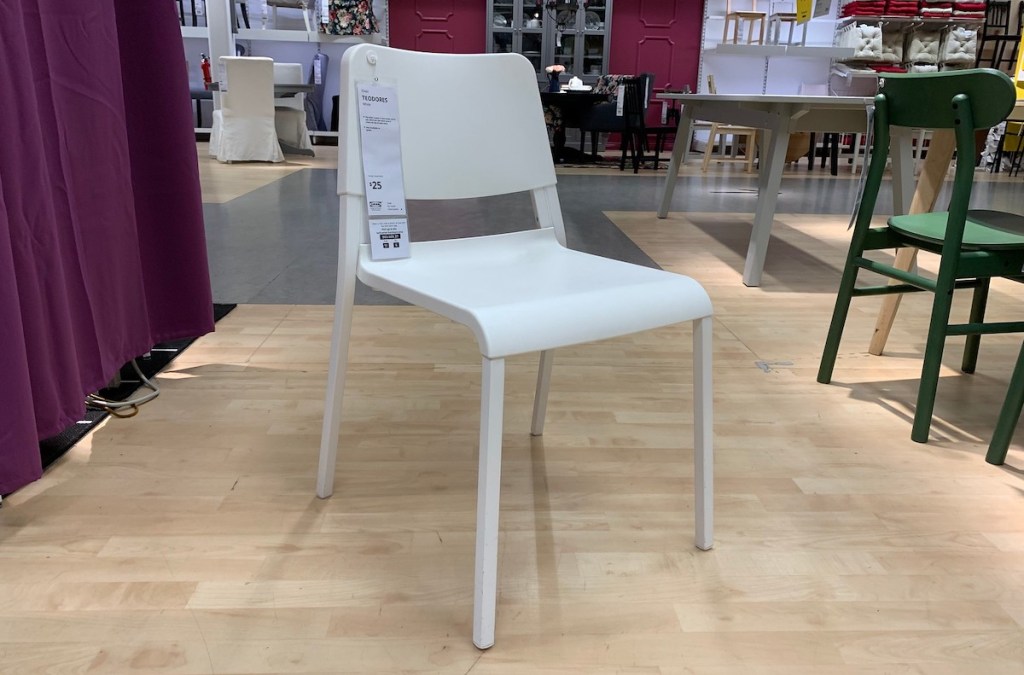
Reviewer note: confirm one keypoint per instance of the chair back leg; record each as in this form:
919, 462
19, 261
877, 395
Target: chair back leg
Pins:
488, 492
540, 398
1009, 415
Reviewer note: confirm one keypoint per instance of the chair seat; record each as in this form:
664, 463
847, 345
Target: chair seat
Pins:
750, 16
524, 292
983, 230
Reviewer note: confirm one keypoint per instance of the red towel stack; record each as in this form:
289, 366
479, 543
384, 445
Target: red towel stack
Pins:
901, 8
886, 68
863, 8
969, 10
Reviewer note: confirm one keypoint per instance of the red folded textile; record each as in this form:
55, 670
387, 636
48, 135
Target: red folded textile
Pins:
883, 68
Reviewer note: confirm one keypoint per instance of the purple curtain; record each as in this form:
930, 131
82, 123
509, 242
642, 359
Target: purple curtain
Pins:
102, 249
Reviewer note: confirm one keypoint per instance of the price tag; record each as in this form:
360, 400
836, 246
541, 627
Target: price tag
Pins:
620, 97
222, 72
318, 70
380, 137
325, 11
389, 238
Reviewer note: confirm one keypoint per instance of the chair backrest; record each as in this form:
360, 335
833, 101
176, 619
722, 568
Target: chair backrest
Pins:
288, 73
471, 124
997, 17
633, 109
250, 91
925, 100
963, 100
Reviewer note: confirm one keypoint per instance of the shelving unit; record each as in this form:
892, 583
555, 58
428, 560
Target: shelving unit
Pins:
289, 42
741, 68
571, 33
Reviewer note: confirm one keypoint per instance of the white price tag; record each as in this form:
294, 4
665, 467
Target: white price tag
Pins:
382, 149
381, 141
620, 96
222, 72
318, 70
325, 11
389, 238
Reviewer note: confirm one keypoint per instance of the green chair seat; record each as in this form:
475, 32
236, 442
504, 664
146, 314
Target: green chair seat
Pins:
983, 230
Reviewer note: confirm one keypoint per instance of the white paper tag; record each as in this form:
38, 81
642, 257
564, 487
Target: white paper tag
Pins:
620, 96
222, 72
381, 142
664, 112
389, 238
325, 11
318, 71
382, 149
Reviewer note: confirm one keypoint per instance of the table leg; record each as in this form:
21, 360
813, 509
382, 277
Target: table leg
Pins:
767, 195
902, 169
933, 174
679, 148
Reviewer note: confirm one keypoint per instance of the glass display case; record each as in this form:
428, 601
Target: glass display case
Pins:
571, 33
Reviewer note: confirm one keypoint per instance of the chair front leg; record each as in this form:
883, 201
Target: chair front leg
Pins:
934, 346
540, 398
488, 490
703, 434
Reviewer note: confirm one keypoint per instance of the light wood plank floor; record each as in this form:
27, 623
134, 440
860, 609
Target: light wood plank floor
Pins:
188, 539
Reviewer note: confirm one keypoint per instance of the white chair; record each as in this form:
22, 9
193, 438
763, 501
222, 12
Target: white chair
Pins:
243, 128
519, 292
290, 111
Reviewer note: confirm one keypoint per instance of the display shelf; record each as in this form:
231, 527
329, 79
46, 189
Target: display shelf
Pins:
749, 50
816, 51
302, 36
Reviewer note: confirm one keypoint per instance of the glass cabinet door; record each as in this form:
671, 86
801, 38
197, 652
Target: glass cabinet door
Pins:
569, 33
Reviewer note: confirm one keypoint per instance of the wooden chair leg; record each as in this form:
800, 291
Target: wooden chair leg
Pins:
710, 147
751, 151
485, 585
1008, 415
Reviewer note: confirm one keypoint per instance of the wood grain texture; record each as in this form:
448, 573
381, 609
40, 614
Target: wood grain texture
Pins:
188, 539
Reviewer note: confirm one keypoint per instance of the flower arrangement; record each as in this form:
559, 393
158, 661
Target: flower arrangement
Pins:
554, 69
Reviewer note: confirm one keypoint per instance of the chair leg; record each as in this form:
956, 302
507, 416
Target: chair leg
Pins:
703, 434
933, 349
751, 151
978, 305
344, 298
1008, 415
488, 488
709, 148
839, 314
540, 398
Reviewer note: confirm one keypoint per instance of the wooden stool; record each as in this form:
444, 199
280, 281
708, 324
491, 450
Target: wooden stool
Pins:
751, 17
775, 22
749, 134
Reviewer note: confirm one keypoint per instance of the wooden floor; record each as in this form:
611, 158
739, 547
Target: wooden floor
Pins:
188, 539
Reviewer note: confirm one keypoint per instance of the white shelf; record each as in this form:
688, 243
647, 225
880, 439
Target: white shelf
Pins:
749, 50
195, 32
303, 36
820, 51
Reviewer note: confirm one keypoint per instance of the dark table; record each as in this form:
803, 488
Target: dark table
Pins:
573, 106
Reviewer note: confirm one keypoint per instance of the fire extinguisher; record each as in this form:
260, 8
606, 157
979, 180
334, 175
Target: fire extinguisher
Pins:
204, 64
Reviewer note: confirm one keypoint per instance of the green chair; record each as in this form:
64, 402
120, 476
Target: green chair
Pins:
974, 245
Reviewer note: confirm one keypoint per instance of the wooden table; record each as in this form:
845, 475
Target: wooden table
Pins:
780, 116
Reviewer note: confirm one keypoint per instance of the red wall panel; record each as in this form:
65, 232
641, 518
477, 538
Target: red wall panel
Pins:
660, 37
444, 26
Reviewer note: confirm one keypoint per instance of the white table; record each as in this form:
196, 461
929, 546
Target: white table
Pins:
779, 116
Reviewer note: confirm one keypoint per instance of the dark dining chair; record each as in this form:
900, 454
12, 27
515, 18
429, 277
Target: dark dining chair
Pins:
605, 117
